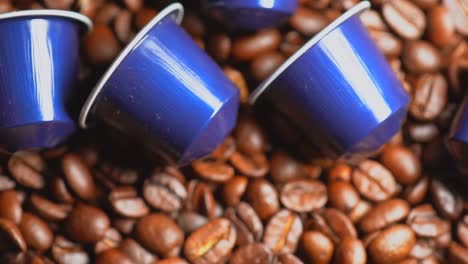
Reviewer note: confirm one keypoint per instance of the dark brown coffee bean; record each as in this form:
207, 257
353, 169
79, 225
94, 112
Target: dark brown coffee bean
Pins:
234, 189
343, 196
287, 259
340, 172
359, 211
440, 26
318, 247
249, 136
246, 48
416, 193
216, 171
59, 4
390, 45
392, 244
36, 232
136, 252
425, 222
422, 132
406, 19
307, 21
190, 221
462, 230
201, 199
284, 168
65, 251
160, 234
106, 14
144, 16
86, 224
111, 240
124, 201
219, 46
447, 201
60, 191
254, 165
10, 206
292, 42
119, 175
6, 6
123, 26
421, 57
374, 181
172, 261
112, 256
48, 209
88, 8
79, 177
124, 225
212, 243
304, 195
283, 232
24, 171
252, 253
430, 97
264, 198
333, 224
457, 254
249, 227
402, 163
164, 192
264, 65
11, 237
457, 10
384, 214
351, 251
101, 45
238, 79
194, 25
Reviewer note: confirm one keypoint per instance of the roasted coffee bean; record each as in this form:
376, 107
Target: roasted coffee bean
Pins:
106, 14
124, 201
253, 165
190, 221
343, 4
60, 191
447, 201
264, 198
160, 234
303, 195
373, 20
101, 45
287, 259
422, 249
458, 13
79, 177
342, 195
374, 181
144, 16
317, 246
282, 232
247, 47
194, 25
48, 209
164, 192
392, 244
201, 199
416, 193
308, 21
59, 4
462, 230
284, 168
421, 57
359, 211
88, 8
65, 251
332, 223
252, 253
406, 19
238, 79
425, 222
264, 65
134, 5
234, 189
172, 261
24, 257
6, 183
112, 256
457, 254
390, 45
440, 26
212, 243
250, 137
219, 47
11, 237
24, 171
351, 251
216, 171
225, 149
340, 171
249, 227
422, 133
123, 26
384, 214
10, 206
119, 175
403, 163
136, 252
86, 224
425, 4
6, 6
112, 239
124, 225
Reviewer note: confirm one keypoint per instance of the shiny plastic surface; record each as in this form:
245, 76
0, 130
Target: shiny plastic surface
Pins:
167, 93
458, 136
38, 66
341, 93
251, 14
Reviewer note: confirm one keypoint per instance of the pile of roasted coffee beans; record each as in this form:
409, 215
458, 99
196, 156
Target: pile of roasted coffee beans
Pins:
101, 199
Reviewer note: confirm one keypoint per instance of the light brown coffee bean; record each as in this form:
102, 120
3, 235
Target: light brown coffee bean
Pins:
402, 163
112, 256
317, 246
374, 181
24, 172
106, 14
249, 227
111, 240
60, 191
246, 48
392, 244
283, 232
253, 165
216, 171
416, 193
342, 195
64, 252
252, 253
359, 211
136, 252
406, 19
350, 251
340, 171
59, 4
390, 45
308, 21
123, 26
234, 189
10, 206
264, 198
384, 214
430, 97
79, 177
424, 221
303, 195
332, 223
200, 198
191, 221
420, 56
440, 26
458, 9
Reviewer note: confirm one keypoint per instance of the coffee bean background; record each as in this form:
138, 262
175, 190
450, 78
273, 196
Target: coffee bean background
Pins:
100, 198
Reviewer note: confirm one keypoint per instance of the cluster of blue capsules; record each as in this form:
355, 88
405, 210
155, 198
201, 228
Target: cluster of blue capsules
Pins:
337, 92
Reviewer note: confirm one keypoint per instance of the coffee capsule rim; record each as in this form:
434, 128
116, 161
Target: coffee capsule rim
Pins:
357, 9
50, 12
175, 8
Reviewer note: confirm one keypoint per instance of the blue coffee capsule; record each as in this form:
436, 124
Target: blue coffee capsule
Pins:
166, 92
338, 92
38, 69
458, 136
251, 14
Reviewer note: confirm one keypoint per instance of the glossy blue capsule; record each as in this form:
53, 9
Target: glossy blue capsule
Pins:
251, 14
458, 135
38, 69
337, 91
166, 92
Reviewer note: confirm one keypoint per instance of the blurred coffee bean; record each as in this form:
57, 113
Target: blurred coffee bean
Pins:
462, 230
287, 258
303, 195
123, 26
247, 47
135, 252
373, 20
282, 232
457, 254
172, 261
101, 45
430, 97
191, 221
263, 197
440, 26
238, 79
447, 201
422, 249
24, 172
212, 243
284, 168
249, 227
79, 177
342, 195
49, 210
59, 4
164, 192
308, 21
457, 10
359, 211
60, 191
6, 183
10, 206
264, 65
350, 251
143, 17
392, 244
422, 132
252, 253
425, 222
405, 18
343, 4
390, 45
416, 193
234, 189
124, 225
65, 251
124, 201
317, 246
215, 171
403, 163
86, 224
340, 171
106, 14
421, 57
249, 136
111, 240
160, 234
11, 237
384, 214
426, 4
88, 8
134, 5
194, 25
112, 256
6, 6
219, 46
374, 181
